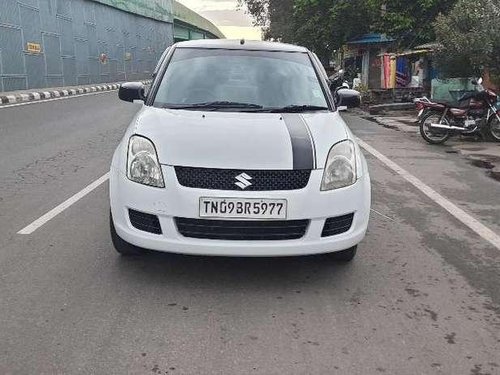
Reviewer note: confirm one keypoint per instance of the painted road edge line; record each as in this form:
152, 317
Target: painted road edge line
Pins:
36, 96
474, 224
63, 206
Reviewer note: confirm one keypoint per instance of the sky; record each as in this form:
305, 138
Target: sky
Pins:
234, 23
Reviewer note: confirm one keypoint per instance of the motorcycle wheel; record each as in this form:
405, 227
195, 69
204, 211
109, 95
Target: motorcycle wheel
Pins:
494, 128
434, 136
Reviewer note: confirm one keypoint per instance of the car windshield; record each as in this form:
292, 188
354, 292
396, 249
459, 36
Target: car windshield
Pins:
235, 80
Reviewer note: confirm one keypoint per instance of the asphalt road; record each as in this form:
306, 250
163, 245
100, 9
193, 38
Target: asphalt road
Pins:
422, 297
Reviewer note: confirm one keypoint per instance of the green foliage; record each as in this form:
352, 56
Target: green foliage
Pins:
325, 25
273, 16
470, 35
321, 25
409, 22
468, 29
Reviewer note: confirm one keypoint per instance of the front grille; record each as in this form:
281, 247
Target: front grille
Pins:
337, 225
239, 230
145, 222
225, 179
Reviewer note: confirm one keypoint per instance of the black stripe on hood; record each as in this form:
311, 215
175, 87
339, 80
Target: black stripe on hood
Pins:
302, 145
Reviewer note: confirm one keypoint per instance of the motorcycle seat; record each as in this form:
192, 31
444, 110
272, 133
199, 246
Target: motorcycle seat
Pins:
446, 103
458, 112
449, 104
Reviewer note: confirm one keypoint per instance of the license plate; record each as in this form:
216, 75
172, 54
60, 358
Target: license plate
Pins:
243, 208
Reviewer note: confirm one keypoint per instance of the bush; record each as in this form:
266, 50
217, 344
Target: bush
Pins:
470, 35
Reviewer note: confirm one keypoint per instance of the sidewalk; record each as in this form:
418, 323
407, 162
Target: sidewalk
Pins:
482, 154
56, 92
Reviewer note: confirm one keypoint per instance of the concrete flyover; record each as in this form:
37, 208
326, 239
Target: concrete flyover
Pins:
190, 25
58, 43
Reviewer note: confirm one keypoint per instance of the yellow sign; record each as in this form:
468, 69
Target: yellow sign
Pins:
34, 47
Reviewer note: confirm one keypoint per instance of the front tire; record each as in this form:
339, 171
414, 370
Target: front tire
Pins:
434, 137
122, 246
345, 256
494, 128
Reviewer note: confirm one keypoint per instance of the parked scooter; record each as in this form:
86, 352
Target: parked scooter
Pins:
477, 113
337, 81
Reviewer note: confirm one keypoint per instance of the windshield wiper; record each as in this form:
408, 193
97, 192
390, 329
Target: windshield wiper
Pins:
215, 105
298, 109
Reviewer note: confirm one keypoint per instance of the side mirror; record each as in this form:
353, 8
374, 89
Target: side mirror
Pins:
131, 91
347, 98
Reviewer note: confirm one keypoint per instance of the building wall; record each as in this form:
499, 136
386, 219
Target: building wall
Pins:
50, 43
157, 9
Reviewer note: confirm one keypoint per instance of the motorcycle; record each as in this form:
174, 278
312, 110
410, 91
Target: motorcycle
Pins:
477, 113
420, 105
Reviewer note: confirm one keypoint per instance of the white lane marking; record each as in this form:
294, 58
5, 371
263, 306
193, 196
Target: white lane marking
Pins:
474, 224
52, 100
63, 206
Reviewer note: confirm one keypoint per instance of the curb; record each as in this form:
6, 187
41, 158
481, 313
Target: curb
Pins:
388, 122
377, 108
43, 95
394, 124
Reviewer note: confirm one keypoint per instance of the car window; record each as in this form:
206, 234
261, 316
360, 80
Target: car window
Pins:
264, 78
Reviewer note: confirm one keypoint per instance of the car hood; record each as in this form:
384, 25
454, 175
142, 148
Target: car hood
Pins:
235, 140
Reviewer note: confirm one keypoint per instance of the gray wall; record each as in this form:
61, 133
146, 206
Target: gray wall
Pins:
73, 34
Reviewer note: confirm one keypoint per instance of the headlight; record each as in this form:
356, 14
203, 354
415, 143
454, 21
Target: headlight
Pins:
143, 166
340, 168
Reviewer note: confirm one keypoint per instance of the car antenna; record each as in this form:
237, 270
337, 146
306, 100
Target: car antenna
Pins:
242, 41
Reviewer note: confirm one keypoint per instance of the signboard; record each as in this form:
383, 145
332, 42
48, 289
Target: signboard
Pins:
103, 58
33, 47
157, 9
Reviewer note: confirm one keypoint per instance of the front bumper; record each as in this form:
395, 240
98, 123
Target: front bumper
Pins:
178, 201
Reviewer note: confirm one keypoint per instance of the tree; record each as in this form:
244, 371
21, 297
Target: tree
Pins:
273, 16
409, 22
470, 35
325, 25
321, 25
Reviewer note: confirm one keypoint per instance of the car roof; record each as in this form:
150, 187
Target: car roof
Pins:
241, 44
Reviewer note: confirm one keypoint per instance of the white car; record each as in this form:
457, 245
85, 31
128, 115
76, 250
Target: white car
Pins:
239, 150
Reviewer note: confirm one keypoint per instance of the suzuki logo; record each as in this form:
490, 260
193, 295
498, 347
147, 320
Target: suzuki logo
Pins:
243, 181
